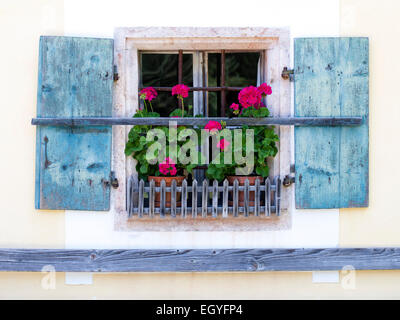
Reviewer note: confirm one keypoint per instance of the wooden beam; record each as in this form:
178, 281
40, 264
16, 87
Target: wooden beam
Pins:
199, 260
289, 121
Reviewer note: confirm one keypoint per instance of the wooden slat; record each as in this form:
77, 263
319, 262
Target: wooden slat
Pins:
267, 197
277, 196
257, 198
135, 192
289, 121
215, 199
173, 199
225, 194
162, 199
184, 199
199, 260
236, 198
141, 198
129, 200
246, 198
204, 199
151, 199
194, 198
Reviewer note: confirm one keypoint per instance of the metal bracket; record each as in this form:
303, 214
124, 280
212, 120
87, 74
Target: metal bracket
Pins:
288, 181
116, 76
113, 181
288, 74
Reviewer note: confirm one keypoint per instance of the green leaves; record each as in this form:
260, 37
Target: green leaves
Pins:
252, 112
138, 146
264, 147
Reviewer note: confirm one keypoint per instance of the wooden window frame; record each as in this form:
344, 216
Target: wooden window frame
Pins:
129, 42
200, 59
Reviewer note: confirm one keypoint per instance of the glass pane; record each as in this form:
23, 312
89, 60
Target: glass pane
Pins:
240, 71
161, 70
214, 74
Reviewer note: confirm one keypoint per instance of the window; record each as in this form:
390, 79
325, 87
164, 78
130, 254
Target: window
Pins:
216, 64
223, 74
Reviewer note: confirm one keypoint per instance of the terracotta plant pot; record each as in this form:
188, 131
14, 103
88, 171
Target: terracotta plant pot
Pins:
168, 183
241, 180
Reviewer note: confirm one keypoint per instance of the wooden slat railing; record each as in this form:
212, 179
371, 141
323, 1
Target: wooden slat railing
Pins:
210, 200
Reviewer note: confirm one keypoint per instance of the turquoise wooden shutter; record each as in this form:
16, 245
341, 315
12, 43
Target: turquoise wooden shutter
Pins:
331, 79
73, 163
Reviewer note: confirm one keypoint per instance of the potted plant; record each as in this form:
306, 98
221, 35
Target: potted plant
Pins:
251, 105
137, 146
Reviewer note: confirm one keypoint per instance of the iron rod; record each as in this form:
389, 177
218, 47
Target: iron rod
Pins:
221, 88
180, 73
285, 121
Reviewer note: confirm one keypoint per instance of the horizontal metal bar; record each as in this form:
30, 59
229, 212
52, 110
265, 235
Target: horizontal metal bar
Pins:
168, 89
289, 121
200, 260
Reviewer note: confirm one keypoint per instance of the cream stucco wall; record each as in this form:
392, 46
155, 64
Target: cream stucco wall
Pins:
378, 225
22, 22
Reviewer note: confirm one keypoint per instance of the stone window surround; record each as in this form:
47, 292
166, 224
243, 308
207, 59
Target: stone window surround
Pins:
128, 42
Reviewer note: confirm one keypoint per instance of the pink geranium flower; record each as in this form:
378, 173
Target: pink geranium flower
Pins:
172, 171
265, 89
213, 126
223, 144
234, 106
167, 167
148, 93
181, 90
249, 97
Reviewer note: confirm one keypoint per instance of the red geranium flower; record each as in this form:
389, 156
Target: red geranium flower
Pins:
234, 106
167, 167
148, 93
213, 126
265, 89
249, 97
180, 90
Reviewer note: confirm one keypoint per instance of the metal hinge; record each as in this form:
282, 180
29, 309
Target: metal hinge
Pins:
116, 76
288, 180
288, 74
112, 182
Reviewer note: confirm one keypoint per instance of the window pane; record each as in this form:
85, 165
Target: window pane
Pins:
214, 74
161, 70
240, 71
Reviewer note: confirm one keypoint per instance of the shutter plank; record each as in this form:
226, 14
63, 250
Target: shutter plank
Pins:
331, 79
73, 164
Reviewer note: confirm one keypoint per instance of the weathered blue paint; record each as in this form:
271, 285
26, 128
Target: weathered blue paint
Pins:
73, 163
331, 79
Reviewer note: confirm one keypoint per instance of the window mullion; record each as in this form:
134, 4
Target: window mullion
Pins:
223, 92
198, 97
